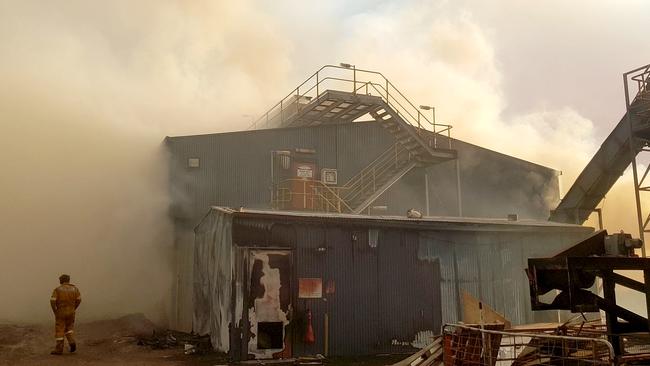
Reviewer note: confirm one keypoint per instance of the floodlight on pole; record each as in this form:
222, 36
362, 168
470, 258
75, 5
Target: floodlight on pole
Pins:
433, 112
354, 75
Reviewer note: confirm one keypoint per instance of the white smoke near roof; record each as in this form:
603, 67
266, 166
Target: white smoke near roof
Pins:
449, 62
89, 89
438, 54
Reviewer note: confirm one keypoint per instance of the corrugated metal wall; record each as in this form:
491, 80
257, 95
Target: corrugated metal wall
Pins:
380, 294
235, 171
409, 283
490, 266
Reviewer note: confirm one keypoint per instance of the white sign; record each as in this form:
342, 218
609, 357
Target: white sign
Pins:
329, 176
305, 171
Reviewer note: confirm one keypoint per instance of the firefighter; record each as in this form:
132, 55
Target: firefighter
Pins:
64, 301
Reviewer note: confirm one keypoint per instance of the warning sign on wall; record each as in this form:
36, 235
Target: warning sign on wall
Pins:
310, 288
305, 171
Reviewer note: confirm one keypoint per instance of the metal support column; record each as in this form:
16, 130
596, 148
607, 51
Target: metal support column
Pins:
641, 76
458, 194
609, 292
426, 191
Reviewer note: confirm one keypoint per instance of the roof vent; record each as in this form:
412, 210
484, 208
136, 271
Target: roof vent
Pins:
513, 217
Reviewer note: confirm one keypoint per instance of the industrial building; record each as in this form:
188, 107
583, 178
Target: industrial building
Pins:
321, 184
371, 284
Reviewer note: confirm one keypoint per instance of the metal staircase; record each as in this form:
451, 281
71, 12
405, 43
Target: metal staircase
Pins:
375, 179
614, 156
330, 96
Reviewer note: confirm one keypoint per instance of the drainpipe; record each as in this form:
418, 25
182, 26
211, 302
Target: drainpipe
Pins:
426, 190
459, 197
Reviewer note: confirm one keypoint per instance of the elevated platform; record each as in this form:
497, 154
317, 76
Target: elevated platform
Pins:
328, 98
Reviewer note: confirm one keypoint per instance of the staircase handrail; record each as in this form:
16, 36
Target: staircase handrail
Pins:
283, 192
642, 78
389, 91
379, 161
368, 167
446, 127
337, 195
368, 176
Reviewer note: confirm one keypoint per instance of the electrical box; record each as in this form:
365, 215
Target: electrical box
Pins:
329, 176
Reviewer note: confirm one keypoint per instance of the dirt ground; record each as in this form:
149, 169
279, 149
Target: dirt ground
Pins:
107, 342
115, 342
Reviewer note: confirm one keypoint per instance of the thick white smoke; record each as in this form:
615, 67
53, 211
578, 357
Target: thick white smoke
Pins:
90, 89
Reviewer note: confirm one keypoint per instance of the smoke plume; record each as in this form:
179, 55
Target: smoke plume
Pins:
90, 89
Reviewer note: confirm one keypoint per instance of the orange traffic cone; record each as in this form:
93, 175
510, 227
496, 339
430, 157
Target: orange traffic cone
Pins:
309, 334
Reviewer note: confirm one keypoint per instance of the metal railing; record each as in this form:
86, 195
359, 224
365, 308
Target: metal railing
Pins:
642, 78
331, 77
473, 345
309, 194
372, 176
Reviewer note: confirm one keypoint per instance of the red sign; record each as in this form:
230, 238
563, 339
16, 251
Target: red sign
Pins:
310, 288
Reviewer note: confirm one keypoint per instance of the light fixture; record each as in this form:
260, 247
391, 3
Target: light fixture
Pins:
433, 113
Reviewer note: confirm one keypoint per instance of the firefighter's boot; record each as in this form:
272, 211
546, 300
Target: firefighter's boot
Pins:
58, 349
71, 342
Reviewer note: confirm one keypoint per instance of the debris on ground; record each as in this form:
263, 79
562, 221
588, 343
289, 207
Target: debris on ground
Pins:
430, 355
190, 343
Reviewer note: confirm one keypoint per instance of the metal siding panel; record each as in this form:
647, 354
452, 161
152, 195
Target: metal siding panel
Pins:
438, 245
490, 265
489, 268
469, 268
495, 184
377, 295
407, 193
310, 263
509, 253
341, 303
391, 262
408, 288
358, 145
386, 293
235, 171
235, 167
367, 299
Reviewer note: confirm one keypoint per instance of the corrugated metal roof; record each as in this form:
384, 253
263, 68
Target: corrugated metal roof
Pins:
427, 222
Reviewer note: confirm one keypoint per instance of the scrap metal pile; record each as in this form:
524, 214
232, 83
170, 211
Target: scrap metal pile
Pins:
577, 343
573, 276
430, 355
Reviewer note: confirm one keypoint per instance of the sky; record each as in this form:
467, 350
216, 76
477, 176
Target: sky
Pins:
91, 88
